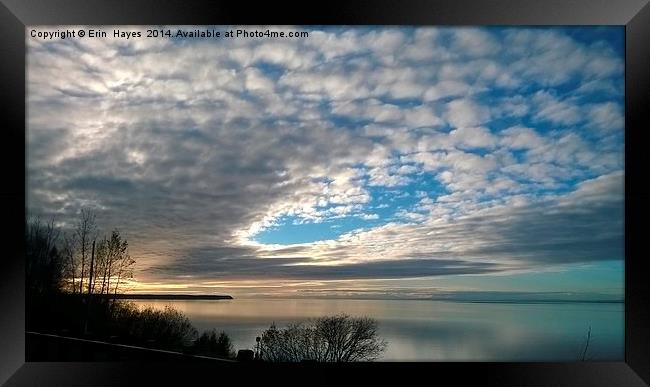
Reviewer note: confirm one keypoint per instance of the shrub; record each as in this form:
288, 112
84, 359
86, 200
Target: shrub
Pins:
212, 344
339, 338
166, 329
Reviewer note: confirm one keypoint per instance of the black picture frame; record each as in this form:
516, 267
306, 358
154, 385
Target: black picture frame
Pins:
633, 14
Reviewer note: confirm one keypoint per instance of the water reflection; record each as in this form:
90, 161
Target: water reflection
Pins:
419, 330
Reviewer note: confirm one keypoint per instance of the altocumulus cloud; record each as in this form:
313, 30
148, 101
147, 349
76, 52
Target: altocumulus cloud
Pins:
512, 138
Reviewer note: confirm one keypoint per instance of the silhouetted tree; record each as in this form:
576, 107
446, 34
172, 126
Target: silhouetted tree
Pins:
122, 263
70, 263
339, 338
113, 264
85, 233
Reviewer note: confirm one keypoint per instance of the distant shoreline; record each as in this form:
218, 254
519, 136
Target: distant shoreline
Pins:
534, 301
181, 297
169, 297
450, 300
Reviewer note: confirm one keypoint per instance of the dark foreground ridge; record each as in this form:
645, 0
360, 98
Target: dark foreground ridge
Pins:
56, 348
166, 296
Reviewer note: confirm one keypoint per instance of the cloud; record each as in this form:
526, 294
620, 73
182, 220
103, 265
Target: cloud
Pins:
607, 116
473, 137
370, 216
447, 88
287, 269
518, 137
474, 42
556, 111
465, 112
193, 147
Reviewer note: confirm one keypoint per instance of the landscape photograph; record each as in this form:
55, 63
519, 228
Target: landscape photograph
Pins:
325, 193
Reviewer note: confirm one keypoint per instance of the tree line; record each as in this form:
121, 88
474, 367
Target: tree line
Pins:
76, 261
67, 269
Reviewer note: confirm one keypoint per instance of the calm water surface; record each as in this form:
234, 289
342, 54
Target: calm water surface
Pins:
422, 330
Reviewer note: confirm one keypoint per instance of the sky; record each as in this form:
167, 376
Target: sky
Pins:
356, 162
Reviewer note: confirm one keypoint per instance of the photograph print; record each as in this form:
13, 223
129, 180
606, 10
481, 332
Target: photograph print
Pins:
325, 194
